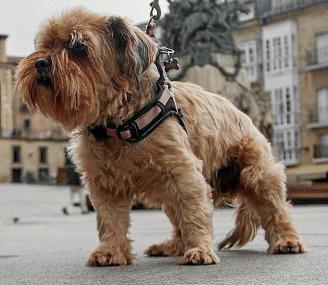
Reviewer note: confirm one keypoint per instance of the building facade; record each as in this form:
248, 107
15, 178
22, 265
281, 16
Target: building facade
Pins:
284, 51
32, 148
284, 45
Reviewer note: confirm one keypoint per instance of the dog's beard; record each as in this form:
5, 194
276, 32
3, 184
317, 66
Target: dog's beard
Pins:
66, 93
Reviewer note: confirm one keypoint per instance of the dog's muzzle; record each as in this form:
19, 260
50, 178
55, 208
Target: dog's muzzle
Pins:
42, 66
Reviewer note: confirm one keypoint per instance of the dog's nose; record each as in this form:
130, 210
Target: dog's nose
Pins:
43, 63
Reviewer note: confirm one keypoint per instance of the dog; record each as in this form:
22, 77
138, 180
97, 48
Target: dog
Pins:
89, 69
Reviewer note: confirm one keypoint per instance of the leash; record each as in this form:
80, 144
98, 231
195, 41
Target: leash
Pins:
164, 60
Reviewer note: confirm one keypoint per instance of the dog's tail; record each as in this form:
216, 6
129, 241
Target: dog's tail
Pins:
246, 225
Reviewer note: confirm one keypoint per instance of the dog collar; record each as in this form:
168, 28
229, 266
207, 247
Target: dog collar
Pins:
145, 121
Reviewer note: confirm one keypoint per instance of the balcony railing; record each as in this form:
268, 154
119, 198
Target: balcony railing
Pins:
320, 151
290, 5
31, 134
319, 117
288, 156
317, 57
281, 121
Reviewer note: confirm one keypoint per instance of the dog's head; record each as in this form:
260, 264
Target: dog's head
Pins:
83, 65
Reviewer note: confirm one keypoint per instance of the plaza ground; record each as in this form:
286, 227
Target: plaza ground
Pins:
40, 245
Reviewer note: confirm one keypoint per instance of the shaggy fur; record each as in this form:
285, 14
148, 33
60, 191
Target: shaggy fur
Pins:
102, 67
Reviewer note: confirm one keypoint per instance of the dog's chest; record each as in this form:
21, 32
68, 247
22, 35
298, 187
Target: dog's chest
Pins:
124, 158
131, 170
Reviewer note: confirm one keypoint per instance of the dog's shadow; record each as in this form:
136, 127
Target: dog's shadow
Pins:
223, 254
166, 270
243, 252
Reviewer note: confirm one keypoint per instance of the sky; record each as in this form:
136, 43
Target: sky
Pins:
21, 19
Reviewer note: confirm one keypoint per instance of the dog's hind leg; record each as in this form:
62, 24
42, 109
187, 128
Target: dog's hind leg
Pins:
246, 225
264, 188
172, 247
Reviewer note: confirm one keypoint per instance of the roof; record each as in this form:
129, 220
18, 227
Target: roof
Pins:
11, 62
14, 59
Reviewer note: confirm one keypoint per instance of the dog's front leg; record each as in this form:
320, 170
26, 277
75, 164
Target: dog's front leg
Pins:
112, 223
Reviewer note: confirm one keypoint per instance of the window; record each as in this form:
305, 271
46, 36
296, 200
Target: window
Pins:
16, 154
288, 106
322, 48
286, 48
43, 174
294, 49
297, 139
278, 111
322, 150
284, 107
279, 47
43, 151
281, 53
279, 144
286, 144
268, 55
27, 124
275, 53
324, 140
249, 58
323, 105
16, 175
296, 105
251, 55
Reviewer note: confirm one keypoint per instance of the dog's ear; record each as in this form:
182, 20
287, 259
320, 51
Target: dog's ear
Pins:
134, 50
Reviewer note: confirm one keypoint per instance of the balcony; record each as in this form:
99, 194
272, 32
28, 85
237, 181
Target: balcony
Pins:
28, 134
319, 118
317, 59
320, 153
286, 120
279, 7
289, 156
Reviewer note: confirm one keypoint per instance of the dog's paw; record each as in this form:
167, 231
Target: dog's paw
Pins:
167, 248
105, 256
198, 256
285, 246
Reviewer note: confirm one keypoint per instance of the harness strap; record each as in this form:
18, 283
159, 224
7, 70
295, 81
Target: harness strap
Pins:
160, 108
145, 121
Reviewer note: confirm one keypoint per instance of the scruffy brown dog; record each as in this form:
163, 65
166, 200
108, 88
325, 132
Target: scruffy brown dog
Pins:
88, 69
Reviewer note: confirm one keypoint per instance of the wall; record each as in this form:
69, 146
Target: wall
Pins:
30, 157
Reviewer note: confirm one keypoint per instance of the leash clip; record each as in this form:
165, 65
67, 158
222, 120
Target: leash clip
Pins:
155, 7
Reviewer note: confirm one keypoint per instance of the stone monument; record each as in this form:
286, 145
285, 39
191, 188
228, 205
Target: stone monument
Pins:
200, 31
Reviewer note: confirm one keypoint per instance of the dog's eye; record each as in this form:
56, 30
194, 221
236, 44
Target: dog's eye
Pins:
77, 48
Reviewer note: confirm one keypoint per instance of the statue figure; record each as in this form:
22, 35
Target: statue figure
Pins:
196, 27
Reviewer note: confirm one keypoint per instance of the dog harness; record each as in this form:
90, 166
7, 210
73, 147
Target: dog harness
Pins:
163, 106
145, 121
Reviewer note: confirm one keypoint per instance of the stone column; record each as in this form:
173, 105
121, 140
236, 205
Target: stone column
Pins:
3, 57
